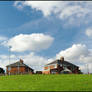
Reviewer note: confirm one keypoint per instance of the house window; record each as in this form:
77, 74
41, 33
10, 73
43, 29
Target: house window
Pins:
9, 68
53, 71
65, 72
52, 66
45, 68
60, 65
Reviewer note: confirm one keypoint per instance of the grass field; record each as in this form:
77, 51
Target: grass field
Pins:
46, 83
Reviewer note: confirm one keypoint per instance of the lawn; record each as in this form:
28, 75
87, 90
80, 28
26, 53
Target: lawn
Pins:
46, 83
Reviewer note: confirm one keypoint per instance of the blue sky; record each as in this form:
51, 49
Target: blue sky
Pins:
62, 28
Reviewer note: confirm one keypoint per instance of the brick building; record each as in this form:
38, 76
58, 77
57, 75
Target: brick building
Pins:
61, 67
19, 68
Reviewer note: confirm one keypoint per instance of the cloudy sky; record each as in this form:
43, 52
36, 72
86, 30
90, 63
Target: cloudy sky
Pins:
42, 31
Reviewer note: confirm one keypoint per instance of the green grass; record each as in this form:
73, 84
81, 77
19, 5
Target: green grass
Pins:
46, 83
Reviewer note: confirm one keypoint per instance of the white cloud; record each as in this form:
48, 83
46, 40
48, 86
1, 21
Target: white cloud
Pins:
89, 32
4, 60
71, 14
86, 68
61, 9
27, 42
35, 61
76, 10
74, 52
46, 7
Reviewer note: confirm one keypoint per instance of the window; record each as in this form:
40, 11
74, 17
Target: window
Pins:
9, 68
53, 71
52, 66
45, 68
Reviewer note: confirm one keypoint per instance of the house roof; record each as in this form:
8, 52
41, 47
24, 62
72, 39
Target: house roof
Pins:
54, 62
66, 69
18, 64
64, 62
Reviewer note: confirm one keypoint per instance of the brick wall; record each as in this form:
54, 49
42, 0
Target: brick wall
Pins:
45, 68
46, 72
16, 70
51, 66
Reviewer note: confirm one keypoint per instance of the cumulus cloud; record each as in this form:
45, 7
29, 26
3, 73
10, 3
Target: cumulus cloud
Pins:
87, 68
4, 60
61, 9
89, 32
46, 7
35, 61
74, 52
27, 42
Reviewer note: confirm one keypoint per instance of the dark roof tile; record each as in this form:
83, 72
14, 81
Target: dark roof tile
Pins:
64, 62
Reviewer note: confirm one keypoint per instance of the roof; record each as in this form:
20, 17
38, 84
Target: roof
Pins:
54, 62
18, 64
64, 62
66, 69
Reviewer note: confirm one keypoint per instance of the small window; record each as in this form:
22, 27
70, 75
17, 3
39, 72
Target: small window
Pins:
53, 71
45, 68
9, 68
52, 66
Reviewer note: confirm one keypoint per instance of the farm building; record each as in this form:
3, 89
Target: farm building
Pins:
61, 67
19, 68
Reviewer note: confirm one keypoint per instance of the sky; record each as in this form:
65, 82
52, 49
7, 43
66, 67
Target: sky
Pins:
42, 31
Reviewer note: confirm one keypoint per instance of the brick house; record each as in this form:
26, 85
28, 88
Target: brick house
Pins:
61, 67
19, 68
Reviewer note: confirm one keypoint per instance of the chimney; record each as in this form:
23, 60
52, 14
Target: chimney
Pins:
61, 58
21, 61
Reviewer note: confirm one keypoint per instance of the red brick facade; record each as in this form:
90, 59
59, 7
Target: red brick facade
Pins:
21, 68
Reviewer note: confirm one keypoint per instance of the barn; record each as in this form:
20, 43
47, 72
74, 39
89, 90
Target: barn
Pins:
19, 68
61, 66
